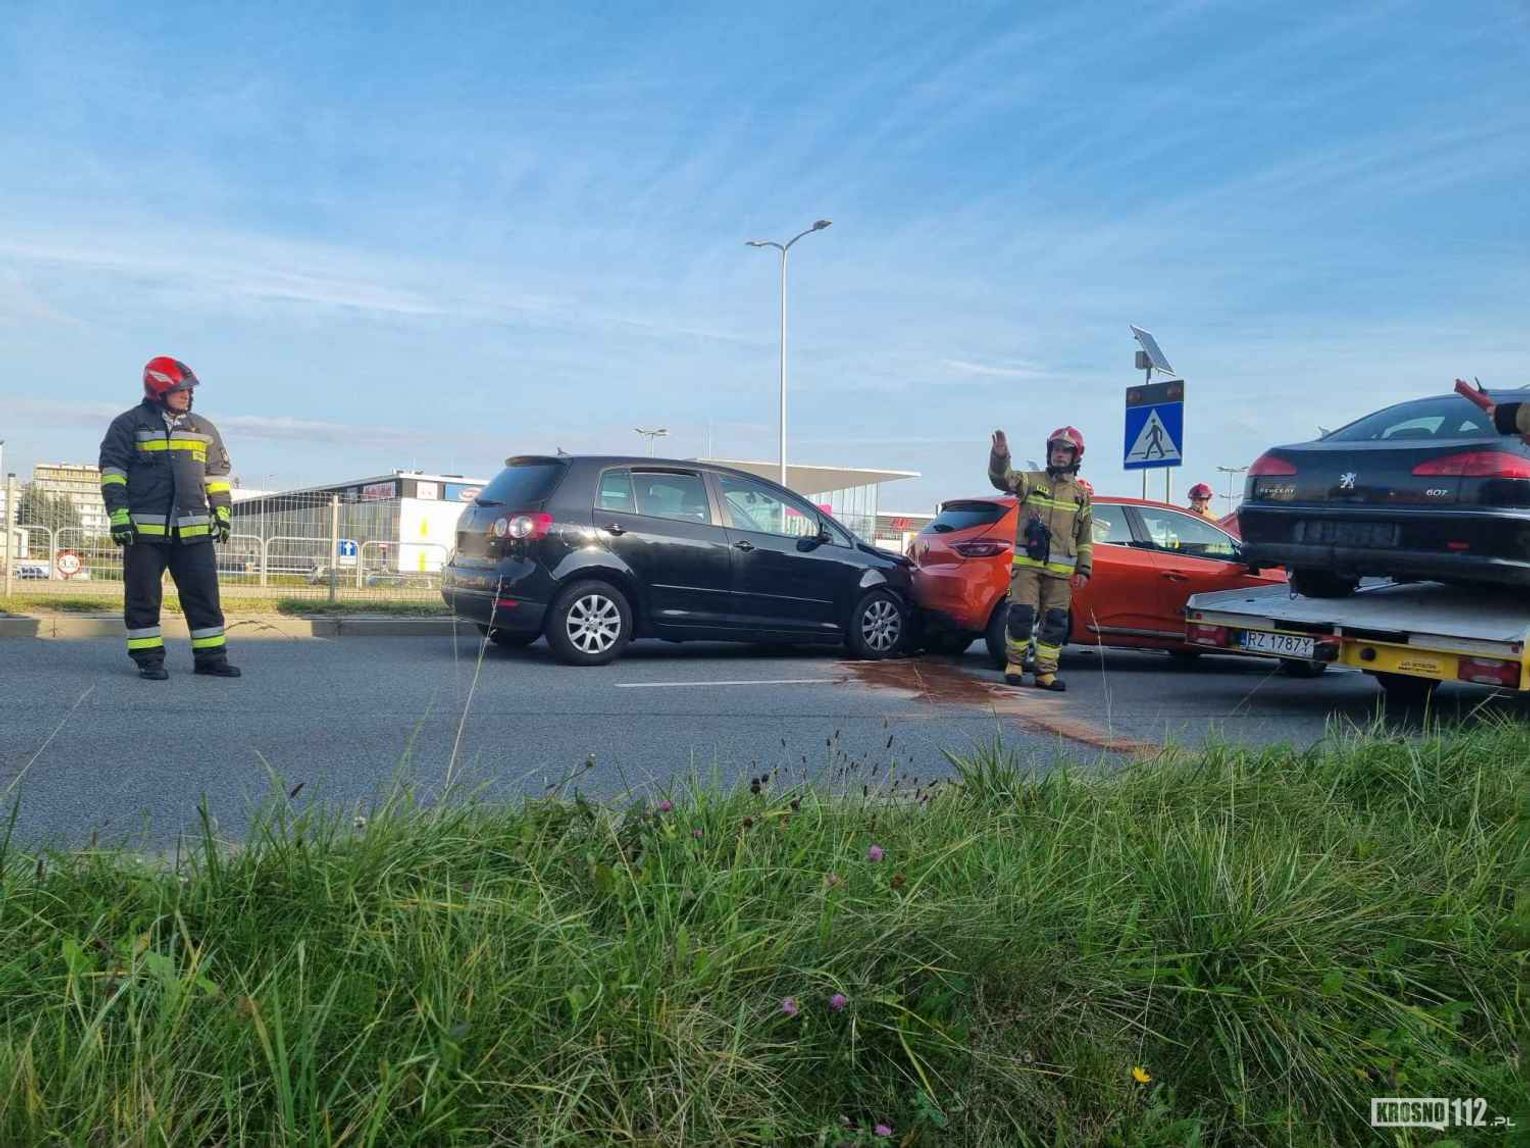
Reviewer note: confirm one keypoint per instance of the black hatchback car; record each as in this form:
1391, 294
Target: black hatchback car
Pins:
1425, 489
594, 551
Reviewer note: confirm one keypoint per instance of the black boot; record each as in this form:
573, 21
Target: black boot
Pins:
216, 667
153, 671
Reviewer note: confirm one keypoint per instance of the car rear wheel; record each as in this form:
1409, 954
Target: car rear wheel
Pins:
1323, 584
993, 636
1406, 690
1299, 668
878, 626
589, 624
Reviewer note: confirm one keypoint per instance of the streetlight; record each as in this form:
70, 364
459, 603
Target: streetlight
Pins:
1229, 471
650, 435
783, 248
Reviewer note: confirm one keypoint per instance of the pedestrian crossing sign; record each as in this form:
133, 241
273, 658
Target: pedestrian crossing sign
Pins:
1155, 435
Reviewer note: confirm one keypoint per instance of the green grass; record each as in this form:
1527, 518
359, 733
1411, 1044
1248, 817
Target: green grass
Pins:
1274, 937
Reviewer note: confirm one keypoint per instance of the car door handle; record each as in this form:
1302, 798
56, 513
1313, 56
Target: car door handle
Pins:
1176, 576
743, 544
616, 529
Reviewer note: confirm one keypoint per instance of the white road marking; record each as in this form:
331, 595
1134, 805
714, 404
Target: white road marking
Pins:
743, 682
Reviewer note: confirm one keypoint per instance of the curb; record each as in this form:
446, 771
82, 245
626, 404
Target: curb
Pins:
260, 626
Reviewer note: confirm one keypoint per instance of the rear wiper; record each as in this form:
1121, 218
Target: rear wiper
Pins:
486, 502
940, 528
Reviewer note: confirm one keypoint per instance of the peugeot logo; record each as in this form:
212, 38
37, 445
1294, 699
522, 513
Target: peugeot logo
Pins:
1347, 480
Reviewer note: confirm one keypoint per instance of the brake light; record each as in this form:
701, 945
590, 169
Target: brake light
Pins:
1476, 464
522, 527
980, 549
1205, 634
1489, 672
1267, 464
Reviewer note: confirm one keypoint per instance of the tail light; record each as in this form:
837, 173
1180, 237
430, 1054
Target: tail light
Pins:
1269, 464
1205, 634
1476, 464
522, 527
1489, 672
988, 549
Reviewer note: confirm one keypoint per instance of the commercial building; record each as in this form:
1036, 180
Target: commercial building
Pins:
79, 485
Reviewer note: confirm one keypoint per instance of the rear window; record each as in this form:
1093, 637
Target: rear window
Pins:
1442, 417
964, 515
522, 484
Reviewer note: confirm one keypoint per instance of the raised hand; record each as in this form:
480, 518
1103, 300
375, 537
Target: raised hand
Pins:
1000, 443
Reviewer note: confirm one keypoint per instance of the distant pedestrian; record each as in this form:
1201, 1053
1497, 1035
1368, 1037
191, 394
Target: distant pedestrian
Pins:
164, 476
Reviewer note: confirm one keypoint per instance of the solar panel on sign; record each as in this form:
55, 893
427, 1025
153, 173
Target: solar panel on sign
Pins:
1154, 351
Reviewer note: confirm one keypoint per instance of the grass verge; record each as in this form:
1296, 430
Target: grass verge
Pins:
1236, 947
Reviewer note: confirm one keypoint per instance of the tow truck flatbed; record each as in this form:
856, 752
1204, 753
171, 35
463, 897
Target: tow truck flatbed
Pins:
1411, 636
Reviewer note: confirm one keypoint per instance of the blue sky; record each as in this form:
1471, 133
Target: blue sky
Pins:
404, 235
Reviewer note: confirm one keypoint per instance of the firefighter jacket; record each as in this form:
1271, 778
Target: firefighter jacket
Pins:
1203, 512
1512, 418
166, 474
1055, 530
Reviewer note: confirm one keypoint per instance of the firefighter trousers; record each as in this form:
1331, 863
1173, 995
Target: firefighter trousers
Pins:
1033, 594
194, 568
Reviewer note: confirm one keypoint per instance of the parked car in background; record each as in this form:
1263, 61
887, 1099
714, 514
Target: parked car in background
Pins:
1149, 557
1423, 490
594, 551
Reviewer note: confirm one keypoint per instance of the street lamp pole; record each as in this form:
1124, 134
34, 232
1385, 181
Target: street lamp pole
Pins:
783, 248
1229, 471
650, 435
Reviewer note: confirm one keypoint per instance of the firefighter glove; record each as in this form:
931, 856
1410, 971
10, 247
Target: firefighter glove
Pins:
123, 533
222, 525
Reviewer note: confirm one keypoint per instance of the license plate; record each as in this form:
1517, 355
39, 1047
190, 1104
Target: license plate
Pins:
1281, 645
1320, 532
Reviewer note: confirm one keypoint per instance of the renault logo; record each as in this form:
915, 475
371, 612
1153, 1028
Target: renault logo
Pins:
1347, 480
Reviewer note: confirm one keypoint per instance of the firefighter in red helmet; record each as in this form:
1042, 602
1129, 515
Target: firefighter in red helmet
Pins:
1054, 551
164, 477
1200, 500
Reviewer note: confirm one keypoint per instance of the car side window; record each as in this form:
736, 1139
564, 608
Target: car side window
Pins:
615, 492
1185, 534
750, 505
667, 494
1110, 525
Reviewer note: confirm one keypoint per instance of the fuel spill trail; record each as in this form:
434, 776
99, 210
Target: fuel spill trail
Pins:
940, 683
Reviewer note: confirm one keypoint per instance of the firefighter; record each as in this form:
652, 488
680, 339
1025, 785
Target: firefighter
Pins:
1054, 551
164, 477
1200, 500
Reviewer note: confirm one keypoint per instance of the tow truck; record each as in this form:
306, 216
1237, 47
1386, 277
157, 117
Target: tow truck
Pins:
1409, 636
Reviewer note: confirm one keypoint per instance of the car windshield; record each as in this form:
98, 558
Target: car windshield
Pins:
521, 484
966, 514
1442, 417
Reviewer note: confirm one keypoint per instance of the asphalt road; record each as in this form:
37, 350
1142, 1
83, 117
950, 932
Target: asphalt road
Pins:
88, 747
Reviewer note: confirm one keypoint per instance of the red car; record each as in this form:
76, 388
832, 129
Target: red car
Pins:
1148, 558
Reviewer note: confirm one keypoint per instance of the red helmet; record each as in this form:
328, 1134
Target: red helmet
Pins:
1200, 490
162, 375
1073, 437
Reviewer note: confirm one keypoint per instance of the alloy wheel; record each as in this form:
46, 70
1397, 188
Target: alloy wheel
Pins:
881, 625
594, 623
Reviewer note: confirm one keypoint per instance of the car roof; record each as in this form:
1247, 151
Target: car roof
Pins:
644, 461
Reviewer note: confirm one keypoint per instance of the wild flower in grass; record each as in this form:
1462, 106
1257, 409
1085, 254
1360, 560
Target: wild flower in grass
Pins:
883, 1129
666, 806
360, 822
1140, 1074
875, 853
833, 880
697, 834
898, 880
789, 1006
838, 1001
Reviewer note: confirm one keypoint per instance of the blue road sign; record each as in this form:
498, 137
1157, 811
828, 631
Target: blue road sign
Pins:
1155, 435
348, 548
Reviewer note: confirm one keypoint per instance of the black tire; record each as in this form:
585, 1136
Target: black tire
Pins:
1300, 668
1184, 659
947, 645
993, 636
513, 639
878, 626
1323, 584
1406, 690
589, 624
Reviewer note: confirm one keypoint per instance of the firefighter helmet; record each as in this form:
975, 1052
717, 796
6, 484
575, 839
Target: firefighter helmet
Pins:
1200, 490
1071, 436
163, 375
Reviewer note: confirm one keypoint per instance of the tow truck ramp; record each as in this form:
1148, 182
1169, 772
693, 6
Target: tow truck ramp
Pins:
1410, 636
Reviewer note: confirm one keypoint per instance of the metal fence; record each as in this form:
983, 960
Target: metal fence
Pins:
315, 545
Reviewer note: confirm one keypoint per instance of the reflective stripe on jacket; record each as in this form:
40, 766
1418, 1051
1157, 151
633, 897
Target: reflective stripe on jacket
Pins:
1061, 504
168, 481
